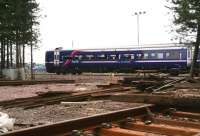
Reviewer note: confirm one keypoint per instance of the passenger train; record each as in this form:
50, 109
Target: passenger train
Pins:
168, 59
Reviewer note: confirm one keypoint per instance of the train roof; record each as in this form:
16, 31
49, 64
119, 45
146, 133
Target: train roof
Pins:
133, 48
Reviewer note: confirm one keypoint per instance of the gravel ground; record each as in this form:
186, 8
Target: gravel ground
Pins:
60, 112
13, 92
83, 83
83, 78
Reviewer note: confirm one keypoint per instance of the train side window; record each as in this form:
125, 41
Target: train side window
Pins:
112, 57
119, 56
102, 57
66, 57
153, 56
132, 56
146, 55
167, 55
139, 56
80, 57
90, 57
85, 58
125, 57
160, 55
76, 57
62, 58
173, 55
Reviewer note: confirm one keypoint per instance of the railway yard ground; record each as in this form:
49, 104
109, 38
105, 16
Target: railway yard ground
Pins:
150, 104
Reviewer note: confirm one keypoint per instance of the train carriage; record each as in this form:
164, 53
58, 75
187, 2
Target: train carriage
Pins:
118, 60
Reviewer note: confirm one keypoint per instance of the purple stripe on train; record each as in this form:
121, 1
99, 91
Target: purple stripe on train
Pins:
69, 61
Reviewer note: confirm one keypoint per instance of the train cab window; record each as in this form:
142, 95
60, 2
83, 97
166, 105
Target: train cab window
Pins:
101, 57
160, 55
112, 57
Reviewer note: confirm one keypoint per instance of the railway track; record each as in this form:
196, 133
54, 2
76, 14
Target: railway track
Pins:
145, 120
33, 82
41, 100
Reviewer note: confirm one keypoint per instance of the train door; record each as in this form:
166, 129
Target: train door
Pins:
57, 57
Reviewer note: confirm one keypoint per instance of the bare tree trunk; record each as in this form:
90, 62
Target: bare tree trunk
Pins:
8, 61
3, 55
196, 52
23, 52
20, 56
11, 53
1, 42
32, 76
17, 50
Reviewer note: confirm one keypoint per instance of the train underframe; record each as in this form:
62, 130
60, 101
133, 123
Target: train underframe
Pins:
74, 69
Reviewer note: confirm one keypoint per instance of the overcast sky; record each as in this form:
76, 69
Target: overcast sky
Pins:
101, 24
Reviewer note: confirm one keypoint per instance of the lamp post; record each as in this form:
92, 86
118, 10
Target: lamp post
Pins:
138, 24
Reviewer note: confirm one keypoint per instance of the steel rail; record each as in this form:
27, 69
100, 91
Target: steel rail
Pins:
33, 82
65, 127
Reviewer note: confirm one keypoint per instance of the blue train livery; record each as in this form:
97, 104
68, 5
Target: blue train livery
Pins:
118, 60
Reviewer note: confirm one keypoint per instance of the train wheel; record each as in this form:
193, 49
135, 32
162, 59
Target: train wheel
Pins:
79, 72
64, 73
73, 73
58, 72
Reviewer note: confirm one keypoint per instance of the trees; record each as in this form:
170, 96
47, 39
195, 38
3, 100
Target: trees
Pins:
18, 29
187, 21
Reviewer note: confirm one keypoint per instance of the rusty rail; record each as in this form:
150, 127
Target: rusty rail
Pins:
65, 127
33, 82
